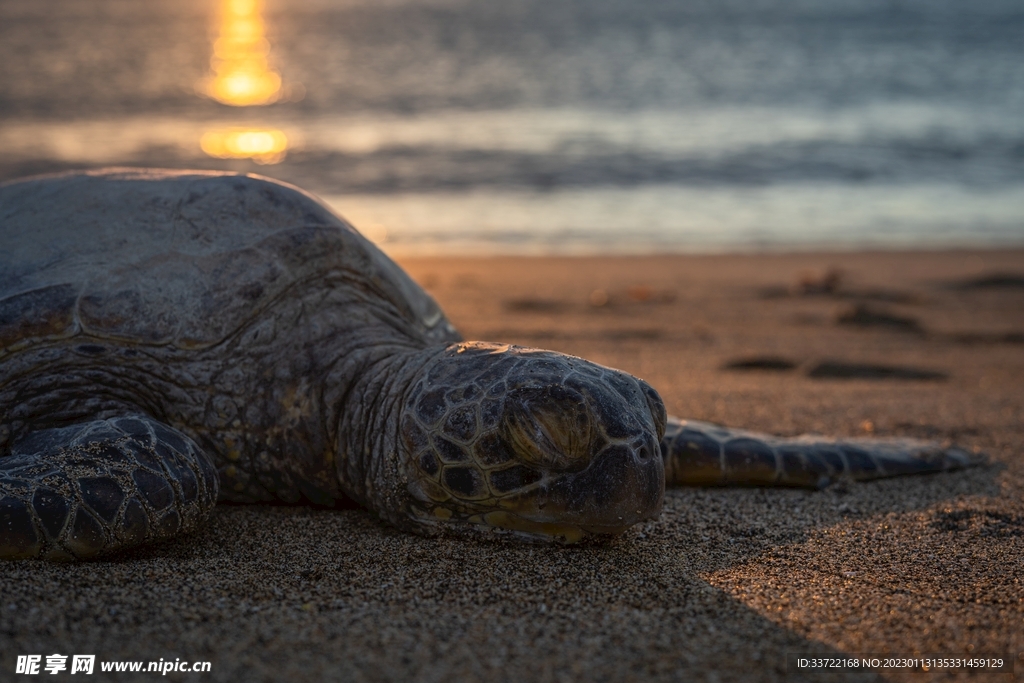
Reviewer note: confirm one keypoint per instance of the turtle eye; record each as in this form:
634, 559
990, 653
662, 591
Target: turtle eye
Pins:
657, 407
549, 426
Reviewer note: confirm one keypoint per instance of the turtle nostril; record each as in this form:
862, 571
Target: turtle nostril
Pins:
643, 453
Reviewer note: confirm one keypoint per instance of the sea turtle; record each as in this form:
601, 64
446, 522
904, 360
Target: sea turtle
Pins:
168, 339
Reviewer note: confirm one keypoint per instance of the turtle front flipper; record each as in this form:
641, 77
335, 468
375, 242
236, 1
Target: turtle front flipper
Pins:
704, 454
96, 487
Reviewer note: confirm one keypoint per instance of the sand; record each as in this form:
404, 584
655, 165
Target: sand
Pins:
721, 587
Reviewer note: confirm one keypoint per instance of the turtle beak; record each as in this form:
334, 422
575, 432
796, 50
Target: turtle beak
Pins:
623, 485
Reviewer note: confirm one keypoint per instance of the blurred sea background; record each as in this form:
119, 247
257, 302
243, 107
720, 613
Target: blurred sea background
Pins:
550, 126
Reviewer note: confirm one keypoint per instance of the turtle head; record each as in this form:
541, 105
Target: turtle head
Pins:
529, 442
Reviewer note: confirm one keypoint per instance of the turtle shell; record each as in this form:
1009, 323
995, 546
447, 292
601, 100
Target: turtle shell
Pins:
172, 257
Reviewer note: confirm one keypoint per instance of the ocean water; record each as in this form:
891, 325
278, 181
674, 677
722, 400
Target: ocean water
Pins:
550, 126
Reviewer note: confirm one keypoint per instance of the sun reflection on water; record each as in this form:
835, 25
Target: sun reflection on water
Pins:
242, 77
263, 146
242, 74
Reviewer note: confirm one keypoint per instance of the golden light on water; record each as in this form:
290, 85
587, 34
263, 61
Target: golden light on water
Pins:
243, 78
266, 146
242, 74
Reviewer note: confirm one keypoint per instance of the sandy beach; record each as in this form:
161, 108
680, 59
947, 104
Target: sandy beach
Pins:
721, 587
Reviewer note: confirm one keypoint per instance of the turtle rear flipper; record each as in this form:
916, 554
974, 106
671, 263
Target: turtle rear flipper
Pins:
704, 454
100, 486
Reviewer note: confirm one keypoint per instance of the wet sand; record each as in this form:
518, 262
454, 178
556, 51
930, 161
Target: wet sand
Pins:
721, 587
